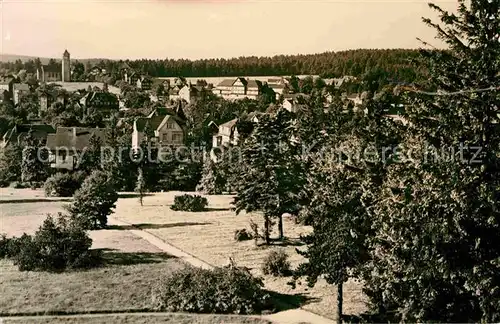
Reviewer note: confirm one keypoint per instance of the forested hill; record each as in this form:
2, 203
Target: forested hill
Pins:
385, 64
394, 62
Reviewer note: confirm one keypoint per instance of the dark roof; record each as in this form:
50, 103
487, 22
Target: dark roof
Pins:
74, 137
243, 80
40, 131
95, 95
51, 68
254, 84
254, 114
226, 83
21, 86
6, 80
230, 123
154, 122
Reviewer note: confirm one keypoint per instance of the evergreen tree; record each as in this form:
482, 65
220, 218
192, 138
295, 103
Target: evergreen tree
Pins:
91, 159
33, 165
10, 163
211, 182
435, 254
272, 176
341, 159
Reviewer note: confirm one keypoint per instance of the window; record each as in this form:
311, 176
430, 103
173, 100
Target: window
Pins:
219, 140
177, 138
63, 156
170, 125
164, 138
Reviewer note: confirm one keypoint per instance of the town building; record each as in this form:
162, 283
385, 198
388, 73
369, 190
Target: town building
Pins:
19, 90
227, 134
165, 131
66, 67
104, 102
52, 73
144, 82
6, 87
294, 102
239, 88
18, 132
67, 144
189, 93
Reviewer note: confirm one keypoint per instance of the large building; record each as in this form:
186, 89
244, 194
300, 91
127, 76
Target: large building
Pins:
52, 73
239, 88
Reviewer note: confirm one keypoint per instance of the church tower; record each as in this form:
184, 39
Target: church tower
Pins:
66, 67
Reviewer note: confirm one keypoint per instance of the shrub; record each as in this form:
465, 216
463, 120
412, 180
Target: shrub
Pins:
4, 246
94, 201
19, 185
57, 245
276, 263
192, 203
242, 235
63, 184
222, 290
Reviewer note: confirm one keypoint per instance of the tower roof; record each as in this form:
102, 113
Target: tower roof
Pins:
66, 53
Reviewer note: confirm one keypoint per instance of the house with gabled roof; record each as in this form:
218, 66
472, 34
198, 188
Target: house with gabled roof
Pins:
68, 144
226, 135
165, 130
104, 102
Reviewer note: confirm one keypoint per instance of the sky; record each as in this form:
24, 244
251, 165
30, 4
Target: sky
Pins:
194, 29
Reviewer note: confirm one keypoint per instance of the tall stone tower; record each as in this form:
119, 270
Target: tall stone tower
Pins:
66, 67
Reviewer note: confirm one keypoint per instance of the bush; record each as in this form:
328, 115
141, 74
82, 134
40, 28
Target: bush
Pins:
93, 202
192, 203
276, 263
242, 235
19, 185
57, 245
228, 290
4, 246
63, 184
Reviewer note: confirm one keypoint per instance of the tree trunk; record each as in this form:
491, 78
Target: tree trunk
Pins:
280, 227
339, 303
267, 230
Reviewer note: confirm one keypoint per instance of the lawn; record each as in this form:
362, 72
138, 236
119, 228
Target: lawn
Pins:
141, 319
135, 264
209, 236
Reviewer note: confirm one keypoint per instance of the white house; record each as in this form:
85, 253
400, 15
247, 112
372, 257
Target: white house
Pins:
227, 134
165, 131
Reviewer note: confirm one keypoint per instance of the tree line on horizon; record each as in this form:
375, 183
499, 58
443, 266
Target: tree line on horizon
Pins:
394, 64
